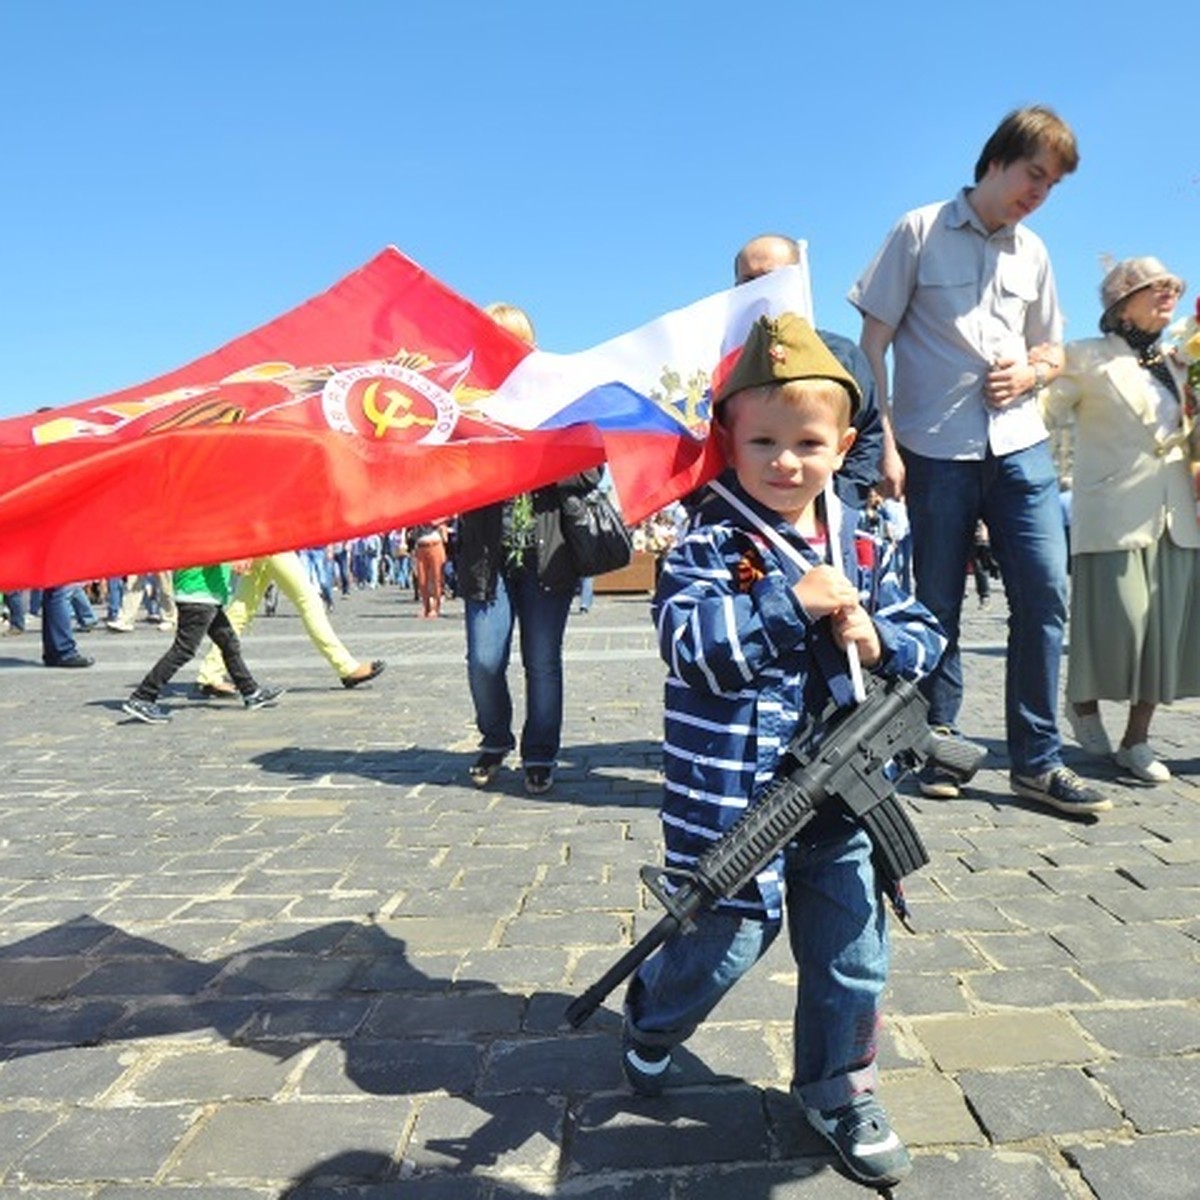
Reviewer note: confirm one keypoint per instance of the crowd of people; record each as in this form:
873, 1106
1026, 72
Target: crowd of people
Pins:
766, 606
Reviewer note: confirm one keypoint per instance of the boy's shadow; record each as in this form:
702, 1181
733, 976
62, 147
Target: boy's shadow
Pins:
603, 1135
374, 1016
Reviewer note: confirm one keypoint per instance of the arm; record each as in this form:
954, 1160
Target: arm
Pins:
876, 337
1009, 380
911, 639
860, 470
1063, 391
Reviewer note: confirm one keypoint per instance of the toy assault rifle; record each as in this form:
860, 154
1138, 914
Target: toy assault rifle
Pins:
854, 756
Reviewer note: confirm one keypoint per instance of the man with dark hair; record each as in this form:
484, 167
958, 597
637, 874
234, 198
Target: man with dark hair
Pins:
964, 295
768, 252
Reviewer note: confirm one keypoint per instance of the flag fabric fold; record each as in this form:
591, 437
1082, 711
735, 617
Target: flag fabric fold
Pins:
382, 402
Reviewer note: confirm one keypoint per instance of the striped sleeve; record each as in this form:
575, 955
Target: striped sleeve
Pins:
715, 637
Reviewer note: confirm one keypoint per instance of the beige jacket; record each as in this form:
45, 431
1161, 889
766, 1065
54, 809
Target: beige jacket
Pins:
1129, 482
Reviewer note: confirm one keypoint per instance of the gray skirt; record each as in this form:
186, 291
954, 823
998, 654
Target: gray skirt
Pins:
1135, 625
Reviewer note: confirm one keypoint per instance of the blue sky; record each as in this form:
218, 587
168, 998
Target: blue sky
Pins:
177, 173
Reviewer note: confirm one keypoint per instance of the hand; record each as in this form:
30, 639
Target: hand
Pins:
853, 626
891, 473
825, 590
1008, 380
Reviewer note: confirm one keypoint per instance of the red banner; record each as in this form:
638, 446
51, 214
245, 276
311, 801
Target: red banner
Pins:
355, 412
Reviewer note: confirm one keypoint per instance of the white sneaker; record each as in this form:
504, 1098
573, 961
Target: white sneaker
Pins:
1140, 762
1089, 733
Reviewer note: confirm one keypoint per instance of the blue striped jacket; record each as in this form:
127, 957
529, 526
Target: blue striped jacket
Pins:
745, 662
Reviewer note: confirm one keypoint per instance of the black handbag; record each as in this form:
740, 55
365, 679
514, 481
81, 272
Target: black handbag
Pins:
596, 537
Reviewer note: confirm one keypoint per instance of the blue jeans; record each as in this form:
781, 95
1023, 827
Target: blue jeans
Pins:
403, 576
838, 933
81, 606
320, 572
58, 643
116, 593
17, 606
1016, 495
542, 617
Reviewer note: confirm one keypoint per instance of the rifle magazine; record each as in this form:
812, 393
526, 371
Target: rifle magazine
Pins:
898, 847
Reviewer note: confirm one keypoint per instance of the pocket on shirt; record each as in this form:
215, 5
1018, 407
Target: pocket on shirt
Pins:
950, 289
1016, 279
1016, 290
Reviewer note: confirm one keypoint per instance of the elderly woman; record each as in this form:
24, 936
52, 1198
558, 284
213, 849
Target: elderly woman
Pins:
1135, 538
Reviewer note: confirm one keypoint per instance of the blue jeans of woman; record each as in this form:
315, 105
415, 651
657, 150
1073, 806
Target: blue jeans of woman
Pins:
1016, 495
541, 617
838, 932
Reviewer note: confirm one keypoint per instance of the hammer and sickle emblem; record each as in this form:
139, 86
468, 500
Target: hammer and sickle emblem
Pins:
387, 419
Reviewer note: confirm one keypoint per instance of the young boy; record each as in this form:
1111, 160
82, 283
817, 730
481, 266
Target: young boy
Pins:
754, 621
200, 596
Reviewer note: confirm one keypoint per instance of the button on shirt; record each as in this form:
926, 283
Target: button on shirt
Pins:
960, 298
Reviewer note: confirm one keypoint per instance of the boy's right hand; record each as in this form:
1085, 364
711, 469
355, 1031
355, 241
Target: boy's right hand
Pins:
825, 590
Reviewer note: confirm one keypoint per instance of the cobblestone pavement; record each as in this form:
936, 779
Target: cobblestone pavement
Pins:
293, 952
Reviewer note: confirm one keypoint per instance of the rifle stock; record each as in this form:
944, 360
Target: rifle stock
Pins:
854, 756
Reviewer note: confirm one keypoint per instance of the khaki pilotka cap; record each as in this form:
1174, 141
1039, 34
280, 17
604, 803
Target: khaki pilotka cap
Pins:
780, 349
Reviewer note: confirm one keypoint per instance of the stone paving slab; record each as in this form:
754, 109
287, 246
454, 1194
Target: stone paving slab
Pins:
295, 953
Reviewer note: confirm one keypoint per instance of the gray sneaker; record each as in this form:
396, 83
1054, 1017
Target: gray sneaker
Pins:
1061, 788
262, 696
146, 710
865, 1141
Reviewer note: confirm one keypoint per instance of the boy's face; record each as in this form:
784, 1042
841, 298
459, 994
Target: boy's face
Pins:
784, 450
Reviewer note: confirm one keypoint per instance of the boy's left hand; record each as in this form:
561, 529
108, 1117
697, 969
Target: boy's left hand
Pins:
854, 625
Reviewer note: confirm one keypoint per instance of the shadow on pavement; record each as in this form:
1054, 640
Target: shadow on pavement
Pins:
508, 1060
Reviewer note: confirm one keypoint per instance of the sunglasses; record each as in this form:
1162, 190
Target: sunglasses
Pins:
1167, 287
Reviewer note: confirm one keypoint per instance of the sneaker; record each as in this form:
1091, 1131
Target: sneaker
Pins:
538, 780
865, 1142
262, 696
1061, 788
936, 781
485, 768
646, 1067
149, 711
1089, 733
1140, 762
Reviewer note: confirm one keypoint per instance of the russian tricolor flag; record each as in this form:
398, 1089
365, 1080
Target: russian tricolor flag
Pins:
384, 401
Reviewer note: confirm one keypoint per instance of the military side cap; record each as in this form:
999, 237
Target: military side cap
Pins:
778, 350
